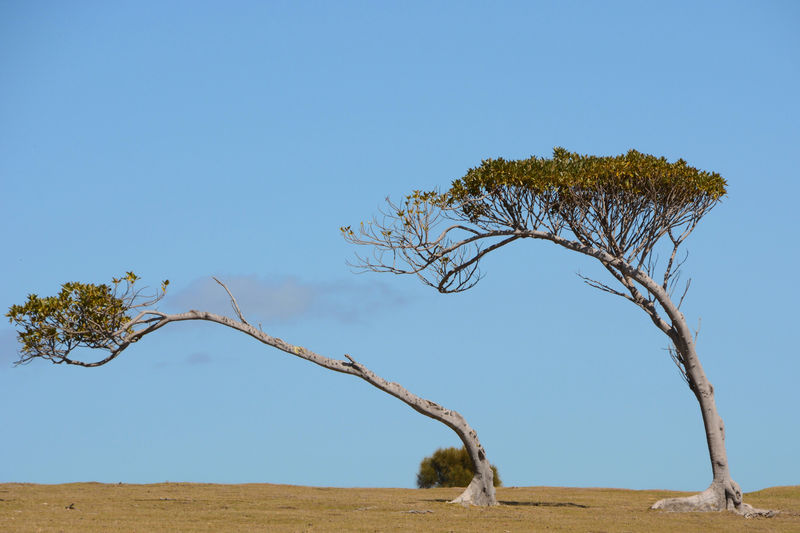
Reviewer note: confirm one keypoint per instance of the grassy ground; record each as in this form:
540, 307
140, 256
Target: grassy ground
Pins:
276, 508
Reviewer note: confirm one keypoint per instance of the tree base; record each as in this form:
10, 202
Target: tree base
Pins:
479, 493
720, 496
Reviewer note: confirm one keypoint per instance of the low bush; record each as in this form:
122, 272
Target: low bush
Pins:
448, 467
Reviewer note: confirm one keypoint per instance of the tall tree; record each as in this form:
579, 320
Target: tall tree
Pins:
618, 210
112, 317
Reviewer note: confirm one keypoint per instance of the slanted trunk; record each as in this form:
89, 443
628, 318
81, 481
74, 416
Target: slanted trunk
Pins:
723, 493
479, 492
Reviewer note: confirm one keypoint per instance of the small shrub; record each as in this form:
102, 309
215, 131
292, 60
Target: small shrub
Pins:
448, 467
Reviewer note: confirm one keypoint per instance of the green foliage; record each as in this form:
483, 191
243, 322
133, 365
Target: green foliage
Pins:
80, 315
624, 206
633, 173
448, 467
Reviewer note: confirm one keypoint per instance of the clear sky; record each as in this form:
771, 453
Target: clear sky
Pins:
188, 139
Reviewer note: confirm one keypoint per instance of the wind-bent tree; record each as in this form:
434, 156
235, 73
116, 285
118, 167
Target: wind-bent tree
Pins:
619, 210
112, 317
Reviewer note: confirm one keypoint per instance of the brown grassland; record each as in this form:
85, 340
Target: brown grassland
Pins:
275, 508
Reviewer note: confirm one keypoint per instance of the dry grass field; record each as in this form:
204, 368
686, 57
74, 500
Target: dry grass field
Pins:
276, 508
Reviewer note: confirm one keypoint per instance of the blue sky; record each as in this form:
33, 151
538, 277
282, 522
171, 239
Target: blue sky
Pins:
183, 140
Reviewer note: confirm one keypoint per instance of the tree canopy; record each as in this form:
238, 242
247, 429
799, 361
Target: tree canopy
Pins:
81, 315
622, 205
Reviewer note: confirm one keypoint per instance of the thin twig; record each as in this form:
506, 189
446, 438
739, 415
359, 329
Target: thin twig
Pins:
353, 362
603, 287
678, 360
686, 290
233, 301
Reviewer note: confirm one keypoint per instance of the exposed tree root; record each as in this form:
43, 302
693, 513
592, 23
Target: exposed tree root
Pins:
480, 490
720, 496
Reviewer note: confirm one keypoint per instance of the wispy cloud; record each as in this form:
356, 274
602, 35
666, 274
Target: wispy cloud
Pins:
286, 299
268, 300
193, 359
198, 358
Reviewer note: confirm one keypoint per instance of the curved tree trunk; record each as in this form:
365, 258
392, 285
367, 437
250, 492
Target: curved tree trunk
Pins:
479, 492
723, 493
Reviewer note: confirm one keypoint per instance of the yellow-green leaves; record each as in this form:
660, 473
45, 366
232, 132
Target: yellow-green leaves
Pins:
81, 314
129, 277
623, 205
567, 173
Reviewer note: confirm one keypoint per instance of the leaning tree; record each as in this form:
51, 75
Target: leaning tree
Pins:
621, 211
112, 317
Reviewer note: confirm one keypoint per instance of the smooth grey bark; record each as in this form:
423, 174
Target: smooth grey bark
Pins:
480, 491
723, 493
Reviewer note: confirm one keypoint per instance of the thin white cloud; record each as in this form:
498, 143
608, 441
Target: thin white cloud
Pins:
349, 301
267, 300
285, 299
198, 358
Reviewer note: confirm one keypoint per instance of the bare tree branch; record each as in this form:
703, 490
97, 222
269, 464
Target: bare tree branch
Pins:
233, 301
685, 291
679, 363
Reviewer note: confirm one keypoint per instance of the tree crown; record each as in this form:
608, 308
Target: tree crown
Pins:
633, 173
80, 315
621, 206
